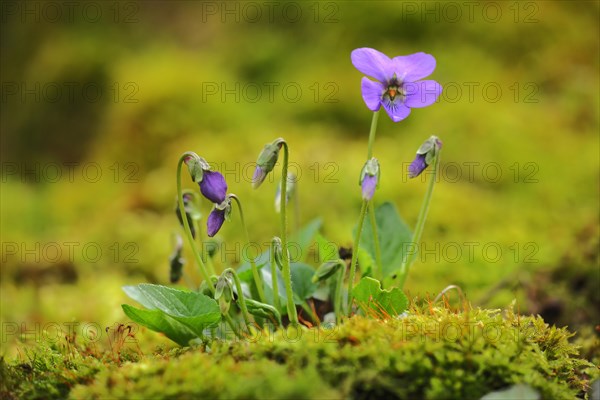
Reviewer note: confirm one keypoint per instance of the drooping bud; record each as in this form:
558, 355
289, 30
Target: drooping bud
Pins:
213, 186
197, 166
290, 187
369, 178
425, 156
266, 162
217, 217
176, 261
327, 270
191, 212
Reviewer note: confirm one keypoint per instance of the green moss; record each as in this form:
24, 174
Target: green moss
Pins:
432, 353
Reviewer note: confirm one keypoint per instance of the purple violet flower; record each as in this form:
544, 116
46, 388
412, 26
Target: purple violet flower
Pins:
213, 186
214, 221
399, 87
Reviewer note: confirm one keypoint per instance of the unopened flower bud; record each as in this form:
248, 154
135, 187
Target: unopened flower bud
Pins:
369, 178
425, 156
217, 217
266, 162
213, 186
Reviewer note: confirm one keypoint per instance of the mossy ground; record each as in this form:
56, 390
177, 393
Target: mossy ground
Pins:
433, 353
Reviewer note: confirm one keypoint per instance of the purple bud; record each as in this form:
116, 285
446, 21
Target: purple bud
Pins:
369, 178
369, 184
215, 221
259, 176
213, 186
417, 166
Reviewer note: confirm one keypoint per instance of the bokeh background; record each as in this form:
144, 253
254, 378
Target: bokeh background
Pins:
99, 99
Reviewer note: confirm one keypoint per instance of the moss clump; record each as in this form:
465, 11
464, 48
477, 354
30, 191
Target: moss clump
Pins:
432, 353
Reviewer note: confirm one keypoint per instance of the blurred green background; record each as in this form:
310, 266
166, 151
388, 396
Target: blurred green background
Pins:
99, 99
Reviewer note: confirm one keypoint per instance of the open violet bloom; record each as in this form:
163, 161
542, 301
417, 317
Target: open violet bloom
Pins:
399, 87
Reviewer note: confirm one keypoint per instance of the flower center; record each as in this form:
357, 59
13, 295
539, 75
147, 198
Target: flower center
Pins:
394, 90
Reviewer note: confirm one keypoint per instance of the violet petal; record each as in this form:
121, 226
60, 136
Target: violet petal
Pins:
371, 93
213, 186
417, 166
422, 93
214, 221
369, 184
396, 109
413, 67
373, 63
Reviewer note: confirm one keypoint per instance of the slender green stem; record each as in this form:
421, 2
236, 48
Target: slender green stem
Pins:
361, 219
255, 273
372, 134
306, 307
274, 281
338, 304
372, 131
186, 225
287, 275
240, 294
378, 272
408, 259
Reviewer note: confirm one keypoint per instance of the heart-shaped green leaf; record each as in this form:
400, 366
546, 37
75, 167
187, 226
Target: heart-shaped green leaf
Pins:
194, 310
377, 302
158, 321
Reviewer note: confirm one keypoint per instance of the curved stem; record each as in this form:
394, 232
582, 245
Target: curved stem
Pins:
255, 272
186, 225
408, 259
372, 134
361, 219
287, 276
378, 273
274, 281
241, 300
